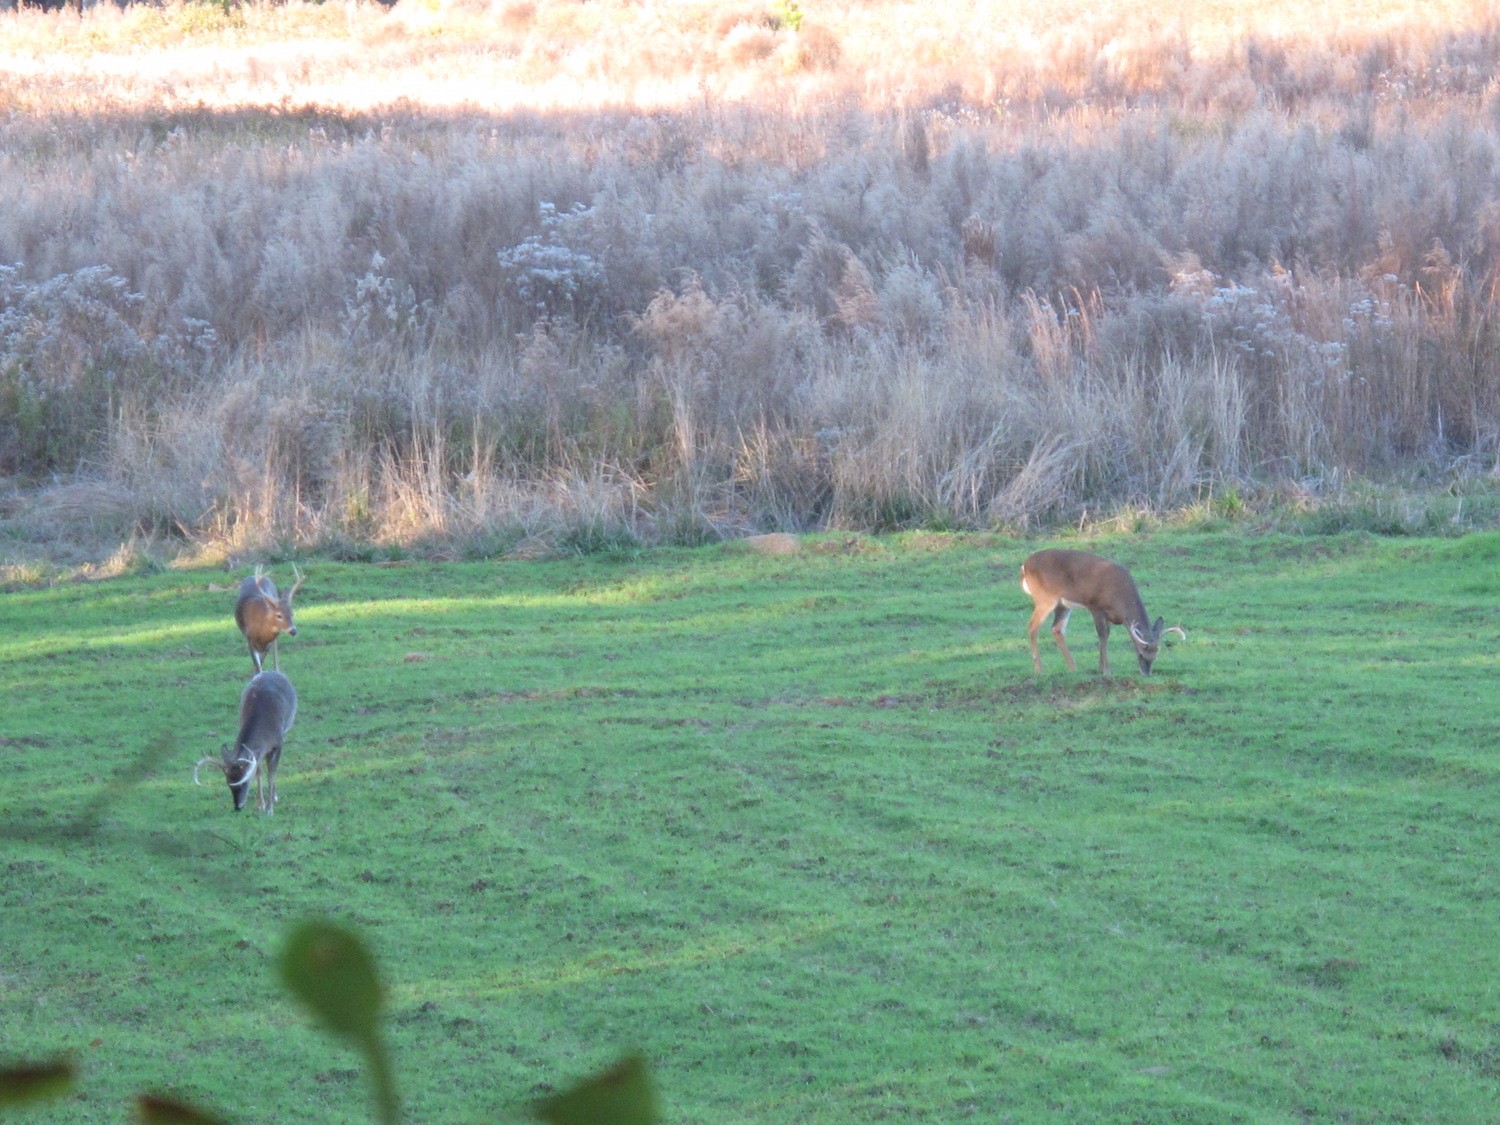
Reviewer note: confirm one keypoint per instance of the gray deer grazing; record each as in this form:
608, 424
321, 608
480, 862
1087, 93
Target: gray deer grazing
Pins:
1062, 581
263, 615
268, 708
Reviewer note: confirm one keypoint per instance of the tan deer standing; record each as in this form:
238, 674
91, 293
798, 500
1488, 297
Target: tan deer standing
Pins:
268, 707
263, 615
1061, 581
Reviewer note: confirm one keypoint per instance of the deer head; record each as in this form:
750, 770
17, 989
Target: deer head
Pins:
238, 767
279, 607
1147, 645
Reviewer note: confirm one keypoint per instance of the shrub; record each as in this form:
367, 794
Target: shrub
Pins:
813, 48
72, 352
551, 277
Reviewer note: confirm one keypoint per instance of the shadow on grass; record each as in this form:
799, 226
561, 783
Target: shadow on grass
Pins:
332, 972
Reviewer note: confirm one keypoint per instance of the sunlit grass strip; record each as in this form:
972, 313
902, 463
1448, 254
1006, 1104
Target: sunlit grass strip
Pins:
719, 950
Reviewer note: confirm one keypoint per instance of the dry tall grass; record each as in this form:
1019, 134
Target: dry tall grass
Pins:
483, 275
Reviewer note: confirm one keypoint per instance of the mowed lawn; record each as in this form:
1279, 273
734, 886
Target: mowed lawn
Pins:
804, 830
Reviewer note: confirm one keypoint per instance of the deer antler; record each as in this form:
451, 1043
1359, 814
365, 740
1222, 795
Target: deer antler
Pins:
296, 585
1175, 629
207, 758
265, 589
224, 766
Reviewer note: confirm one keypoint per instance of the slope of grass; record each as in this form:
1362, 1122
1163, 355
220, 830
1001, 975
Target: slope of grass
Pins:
805, 830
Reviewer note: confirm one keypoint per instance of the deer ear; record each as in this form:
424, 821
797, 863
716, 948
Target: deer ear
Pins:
1156, 629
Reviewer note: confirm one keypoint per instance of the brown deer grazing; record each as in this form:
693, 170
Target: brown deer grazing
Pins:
267, 709
263, 615
1062, 581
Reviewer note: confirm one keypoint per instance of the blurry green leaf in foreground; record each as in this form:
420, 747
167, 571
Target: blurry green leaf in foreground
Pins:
158, 1109
332, 971
622, 1095
34, 1082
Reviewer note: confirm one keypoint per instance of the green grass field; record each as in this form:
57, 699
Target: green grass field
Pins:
804, 830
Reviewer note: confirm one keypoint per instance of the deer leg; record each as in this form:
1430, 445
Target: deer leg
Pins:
1101, 624
275, 656
1059, 627
275, 760
255, 659
1037, 617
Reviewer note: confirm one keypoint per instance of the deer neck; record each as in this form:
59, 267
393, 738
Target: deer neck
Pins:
1135, 612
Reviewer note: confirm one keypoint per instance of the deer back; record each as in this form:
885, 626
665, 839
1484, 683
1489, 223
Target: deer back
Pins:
268, 707
257, 611
1085, 580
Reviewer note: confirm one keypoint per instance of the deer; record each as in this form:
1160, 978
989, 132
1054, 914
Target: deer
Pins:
1061, 581
263, 615
268, 708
